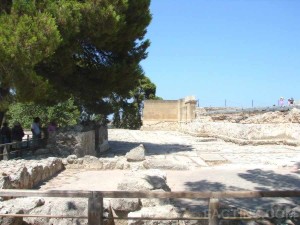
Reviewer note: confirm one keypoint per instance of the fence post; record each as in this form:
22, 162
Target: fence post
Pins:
28, 141
213, 211
6, 152
95, 209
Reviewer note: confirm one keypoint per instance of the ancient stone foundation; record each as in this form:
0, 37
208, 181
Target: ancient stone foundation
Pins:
254, 134
255, 128
79, 141
26, 174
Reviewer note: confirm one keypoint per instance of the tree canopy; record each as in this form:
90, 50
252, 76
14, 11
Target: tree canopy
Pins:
87, 49
63, 114
127, 111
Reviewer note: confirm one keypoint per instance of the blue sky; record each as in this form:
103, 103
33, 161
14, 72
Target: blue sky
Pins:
238, 50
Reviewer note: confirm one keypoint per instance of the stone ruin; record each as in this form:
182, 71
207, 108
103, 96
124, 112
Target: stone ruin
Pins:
149, 180
244, 127
279, 127
77, 148
46, 162
69, 148
152, 180
79, 141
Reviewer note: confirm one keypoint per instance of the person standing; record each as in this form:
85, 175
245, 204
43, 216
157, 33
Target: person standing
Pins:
17, 134
281, 102
51, 130
51, 127
5, 133
36, 131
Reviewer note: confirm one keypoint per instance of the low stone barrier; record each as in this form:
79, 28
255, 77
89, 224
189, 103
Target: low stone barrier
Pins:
26, 174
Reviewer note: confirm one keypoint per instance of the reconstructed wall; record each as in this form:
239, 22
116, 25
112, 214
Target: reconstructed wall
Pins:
160, 110
165, 114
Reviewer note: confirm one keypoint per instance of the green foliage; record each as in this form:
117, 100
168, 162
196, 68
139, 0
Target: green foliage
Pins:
52, 50
64, 113
128, 111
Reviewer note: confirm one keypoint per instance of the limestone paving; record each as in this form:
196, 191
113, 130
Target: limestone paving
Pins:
186, 148
199, 164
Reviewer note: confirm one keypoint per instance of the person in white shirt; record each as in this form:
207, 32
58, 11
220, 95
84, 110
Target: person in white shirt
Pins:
36, 131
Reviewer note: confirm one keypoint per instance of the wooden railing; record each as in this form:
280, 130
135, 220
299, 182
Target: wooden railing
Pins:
95, 202
7, 150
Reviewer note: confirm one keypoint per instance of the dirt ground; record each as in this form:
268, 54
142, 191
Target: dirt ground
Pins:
214, 165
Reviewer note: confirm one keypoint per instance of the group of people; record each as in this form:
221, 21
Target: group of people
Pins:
16, 133
37, 130
281, 102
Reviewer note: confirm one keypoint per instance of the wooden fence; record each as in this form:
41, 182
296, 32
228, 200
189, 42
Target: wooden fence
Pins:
10, 150
95, 202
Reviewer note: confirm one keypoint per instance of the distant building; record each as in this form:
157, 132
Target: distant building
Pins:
182, 110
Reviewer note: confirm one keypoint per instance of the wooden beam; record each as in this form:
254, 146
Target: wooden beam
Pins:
213, 211
193, 195
147, 194
43, 216
6, 152
95, 209
52, 193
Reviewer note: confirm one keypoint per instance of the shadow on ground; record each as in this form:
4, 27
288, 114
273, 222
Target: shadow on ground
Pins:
120, 148
269, 180
264, 180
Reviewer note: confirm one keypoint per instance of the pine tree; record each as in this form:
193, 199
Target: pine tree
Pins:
52, 50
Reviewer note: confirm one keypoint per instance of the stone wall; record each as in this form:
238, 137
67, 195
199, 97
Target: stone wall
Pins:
160, 110
103, 139
79, 141
26, 174
165, 114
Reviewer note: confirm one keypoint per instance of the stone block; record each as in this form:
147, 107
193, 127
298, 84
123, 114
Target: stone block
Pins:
137, 154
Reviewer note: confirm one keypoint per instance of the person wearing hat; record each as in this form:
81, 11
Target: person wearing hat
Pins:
17, 134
